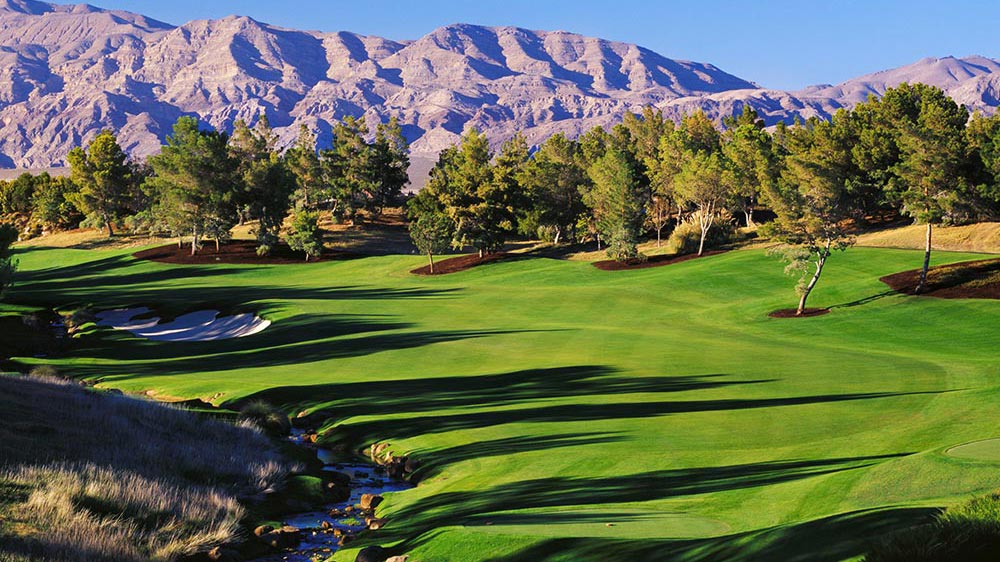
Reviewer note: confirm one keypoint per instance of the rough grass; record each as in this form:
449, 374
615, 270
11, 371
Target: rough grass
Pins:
548, 399
980, 237
969, 532
93, 476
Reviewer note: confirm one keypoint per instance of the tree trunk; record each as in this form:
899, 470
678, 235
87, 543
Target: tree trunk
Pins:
749, 216
558, 235
430, 258
659, 230
705, 222
194, 241
481, 253
217, 250
927, 262
598, 241
180, 242
825, 253
107, 223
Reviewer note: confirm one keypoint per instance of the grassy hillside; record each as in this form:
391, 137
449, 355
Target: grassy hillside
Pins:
980, 237
93, 476
567, 413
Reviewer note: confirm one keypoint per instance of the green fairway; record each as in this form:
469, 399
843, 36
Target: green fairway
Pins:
566, 413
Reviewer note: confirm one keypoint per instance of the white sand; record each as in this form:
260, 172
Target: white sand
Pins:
204, 325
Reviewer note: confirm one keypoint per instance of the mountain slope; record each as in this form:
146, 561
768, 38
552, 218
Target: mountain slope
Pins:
66, 72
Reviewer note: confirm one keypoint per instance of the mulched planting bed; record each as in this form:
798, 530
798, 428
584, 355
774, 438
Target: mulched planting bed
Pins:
807, 313
237, 251
458, 263
966, 280
652, 261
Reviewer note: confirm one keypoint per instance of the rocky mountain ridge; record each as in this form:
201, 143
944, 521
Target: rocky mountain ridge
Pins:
68, 71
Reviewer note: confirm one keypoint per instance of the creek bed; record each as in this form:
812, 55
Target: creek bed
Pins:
318, 543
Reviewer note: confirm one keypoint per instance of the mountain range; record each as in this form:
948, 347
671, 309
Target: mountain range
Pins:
66, 72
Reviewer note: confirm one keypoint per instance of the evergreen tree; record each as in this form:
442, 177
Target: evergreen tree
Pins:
303, 161
306, 236
552, 181
195, 181
104, 177
812, 200
617, 202
390, 163
266, 184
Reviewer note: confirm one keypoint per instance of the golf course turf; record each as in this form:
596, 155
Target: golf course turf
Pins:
561, 412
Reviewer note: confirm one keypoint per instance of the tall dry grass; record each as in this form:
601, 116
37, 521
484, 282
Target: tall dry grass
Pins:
88, 476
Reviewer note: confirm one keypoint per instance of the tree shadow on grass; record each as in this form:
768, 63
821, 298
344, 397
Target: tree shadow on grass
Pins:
478, 507
359, 432
830, 539
439, 393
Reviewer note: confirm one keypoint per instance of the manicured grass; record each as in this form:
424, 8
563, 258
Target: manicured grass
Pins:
548, 399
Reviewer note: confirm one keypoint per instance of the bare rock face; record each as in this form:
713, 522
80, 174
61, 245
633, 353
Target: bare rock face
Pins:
66, 72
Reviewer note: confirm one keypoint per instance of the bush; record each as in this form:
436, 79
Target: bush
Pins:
969, 532
687, 235
266, 417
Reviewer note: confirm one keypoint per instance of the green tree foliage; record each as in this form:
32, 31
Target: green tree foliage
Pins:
51, 205
931, 170
751, 164
265, 182
8, 265
306, 236
347, 166
478, 203
702, 183
431, 229
16, 196
812, 200
983, 137
104, 177
390, 164
303, 161
617, 203
195, 181
552, 181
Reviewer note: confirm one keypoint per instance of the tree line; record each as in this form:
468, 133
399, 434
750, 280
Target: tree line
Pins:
204, 182
912, 152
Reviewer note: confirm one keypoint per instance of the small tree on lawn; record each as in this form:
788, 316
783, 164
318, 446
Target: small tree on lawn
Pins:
812, 201
306, 235
431, 229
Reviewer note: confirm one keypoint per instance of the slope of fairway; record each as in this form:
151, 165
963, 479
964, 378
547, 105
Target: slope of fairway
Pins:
567, 413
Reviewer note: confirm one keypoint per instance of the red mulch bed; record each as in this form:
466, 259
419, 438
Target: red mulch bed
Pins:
965, 280
652, 261
458, 263
237, 251
791, 313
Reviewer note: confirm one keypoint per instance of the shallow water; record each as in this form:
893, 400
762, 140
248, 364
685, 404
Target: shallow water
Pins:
318, 543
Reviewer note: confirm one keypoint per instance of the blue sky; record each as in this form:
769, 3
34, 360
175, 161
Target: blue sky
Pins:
783, 44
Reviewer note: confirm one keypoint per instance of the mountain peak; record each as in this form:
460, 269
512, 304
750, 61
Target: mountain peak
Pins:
29, 7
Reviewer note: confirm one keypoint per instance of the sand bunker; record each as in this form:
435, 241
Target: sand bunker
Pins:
204, 325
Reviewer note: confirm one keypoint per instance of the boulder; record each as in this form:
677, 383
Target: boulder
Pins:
372, 554
397, 559
375, 523
370, 501
262, 530
222, 554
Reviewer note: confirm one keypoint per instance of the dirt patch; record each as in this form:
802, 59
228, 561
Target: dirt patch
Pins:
965, 280
235, 252
652, 261
791, 313
459, 263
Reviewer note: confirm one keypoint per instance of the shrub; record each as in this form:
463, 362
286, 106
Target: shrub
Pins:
969, 532
266, 417
687, 235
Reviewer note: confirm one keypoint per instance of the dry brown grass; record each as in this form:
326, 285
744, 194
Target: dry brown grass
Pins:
982, 237
92, 476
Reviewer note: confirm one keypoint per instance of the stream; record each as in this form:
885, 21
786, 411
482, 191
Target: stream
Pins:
318, 543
